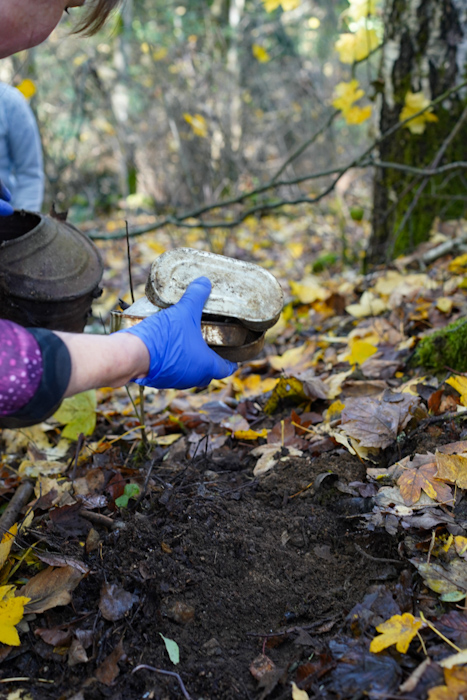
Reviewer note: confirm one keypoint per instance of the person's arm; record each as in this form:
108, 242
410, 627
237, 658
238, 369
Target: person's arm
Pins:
166, 350
25, 152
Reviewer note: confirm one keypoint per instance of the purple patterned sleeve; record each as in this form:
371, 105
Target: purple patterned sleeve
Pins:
20, 367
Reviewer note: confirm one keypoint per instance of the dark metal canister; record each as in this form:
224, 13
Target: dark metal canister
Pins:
49, 272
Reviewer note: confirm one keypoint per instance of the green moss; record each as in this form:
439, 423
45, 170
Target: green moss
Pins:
446, 348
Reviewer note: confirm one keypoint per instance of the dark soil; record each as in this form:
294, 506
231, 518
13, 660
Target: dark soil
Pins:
227, 566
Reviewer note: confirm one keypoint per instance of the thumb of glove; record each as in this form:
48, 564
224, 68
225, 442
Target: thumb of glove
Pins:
195, 297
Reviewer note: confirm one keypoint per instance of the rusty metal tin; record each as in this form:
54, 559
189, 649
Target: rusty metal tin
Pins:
49, 272
240, 290
215, 332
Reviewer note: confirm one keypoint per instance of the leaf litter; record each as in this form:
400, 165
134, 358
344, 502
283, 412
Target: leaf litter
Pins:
326, 476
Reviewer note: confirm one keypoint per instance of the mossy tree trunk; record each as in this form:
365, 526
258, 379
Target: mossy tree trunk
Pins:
425, 47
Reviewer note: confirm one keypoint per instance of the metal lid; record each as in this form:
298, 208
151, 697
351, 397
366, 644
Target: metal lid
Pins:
240, 290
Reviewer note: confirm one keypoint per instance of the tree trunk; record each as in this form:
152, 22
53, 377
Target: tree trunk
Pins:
424, 49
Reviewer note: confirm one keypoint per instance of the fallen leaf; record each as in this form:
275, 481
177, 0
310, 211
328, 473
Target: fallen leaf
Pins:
260, 666
452, 468
7, 543
115, 602
398, 630
458, 659
11, 612
369, 305
449, 579
455, 688
412, 481
376, 422
298, 694
50, 588
107, 672
78, 413
172, 649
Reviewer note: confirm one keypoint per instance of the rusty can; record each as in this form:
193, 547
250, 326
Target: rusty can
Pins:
244, 302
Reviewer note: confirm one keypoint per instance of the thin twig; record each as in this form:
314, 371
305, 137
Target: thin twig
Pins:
359, 161
21, 496
128, 254
165, 673
382, 560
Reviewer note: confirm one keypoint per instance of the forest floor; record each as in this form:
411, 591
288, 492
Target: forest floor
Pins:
278, 518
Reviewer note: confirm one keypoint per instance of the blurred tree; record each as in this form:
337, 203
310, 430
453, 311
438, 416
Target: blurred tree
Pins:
425, 45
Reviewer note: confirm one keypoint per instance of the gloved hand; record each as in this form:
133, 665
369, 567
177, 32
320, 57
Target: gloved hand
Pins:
179, 356
5, 196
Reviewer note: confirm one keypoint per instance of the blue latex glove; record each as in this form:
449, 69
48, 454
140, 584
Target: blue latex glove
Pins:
179, 356
5, 196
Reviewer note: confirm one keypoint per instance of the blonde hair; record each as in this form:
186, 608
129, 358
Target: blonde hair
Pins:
96, 15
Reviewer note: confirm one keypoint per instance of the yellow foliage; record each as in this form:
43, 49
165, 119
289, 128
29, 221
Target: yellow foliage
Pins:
6, 543
198, 124
345, 94
298, 694
444, 304
357, 46
253, 385
459, 264
159, 54
414, 102
334, 411
456, 685
398, 630
360, 351
369, 305
27, 88
309, 290
260, 53
250, 434
11, 612
459, 384
271, 5
360, 9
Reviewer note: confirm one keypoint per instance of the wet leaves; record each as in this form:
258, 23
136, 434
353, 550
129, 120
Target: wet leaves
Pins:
413, 481
50, 588
398, 630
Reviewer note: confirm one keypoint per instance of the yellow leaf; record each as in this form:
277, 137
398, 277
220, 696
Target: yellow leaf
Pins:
456, 685
260, 53
357, 115
360, 351
345, 94
458, 265
198, 124
460, 543
166, 440
253, 385
309, 290
287, 5
27, 88
78, 413
7, 543
444, 304
334, 410
11, 612
398, 630
357, 46
287, 388
159, 54
452, 468
460, 384
250, 434
369, 305
298, 694
414, 102
360, 9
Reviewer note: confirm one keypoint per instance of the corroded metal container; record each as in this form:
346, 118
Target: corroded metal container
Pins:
244, 302
49, 272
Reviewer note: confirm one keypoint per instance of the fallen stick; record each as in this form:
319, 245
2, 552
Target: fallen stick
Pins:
10, 515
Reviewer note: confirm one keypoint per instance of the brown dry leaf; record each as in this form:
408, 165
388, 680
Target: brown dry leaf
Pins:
376, 422
261, 665
50, 588
115, 602
452, 467
413, 481
108, 670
